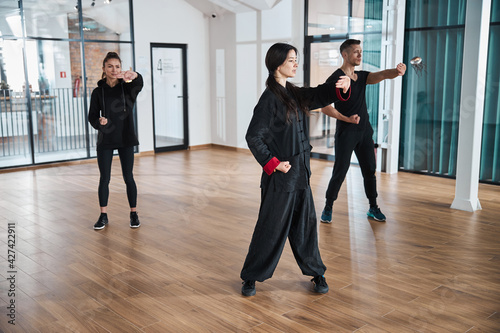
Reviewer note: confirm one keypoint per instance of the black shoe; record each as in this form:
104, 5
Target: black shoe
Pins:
134, 220
101, 222
248, 288
320, 285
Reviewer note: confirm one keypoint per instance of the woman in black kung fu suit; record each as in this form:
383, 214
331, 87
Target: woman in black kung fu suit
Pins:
278, 137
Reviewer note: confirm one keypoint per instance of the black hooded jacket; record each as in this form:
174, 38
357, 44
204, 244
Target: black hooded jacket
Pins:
116, 104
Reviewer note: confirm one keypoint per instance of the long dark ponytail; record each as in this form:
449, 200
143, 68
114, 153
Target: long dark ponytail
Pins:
275, 57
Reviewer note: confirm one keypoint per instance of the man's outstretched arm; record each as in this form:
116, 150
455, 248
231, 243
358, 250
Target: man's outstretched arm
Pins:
376, 77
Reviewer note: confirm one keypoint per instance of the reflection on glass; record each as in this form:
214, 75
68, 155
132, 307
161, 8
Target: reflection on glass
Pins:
10, 19
438, 13
14, 118
430, 107
106, 20
327, 17
51, 18
366, 16
59, 117
325, 59
49, 110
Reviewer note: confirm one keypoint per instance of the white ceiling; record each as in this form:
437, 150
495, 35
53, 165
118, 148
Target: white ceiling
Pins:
219, 7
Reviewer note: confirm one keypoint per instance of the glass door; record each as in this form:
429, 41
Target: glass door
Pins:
170, 111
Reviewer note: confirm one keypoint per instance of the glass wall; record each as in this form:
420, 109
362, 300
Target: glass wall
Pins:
490, 150
329, 23
44, 97
431, 97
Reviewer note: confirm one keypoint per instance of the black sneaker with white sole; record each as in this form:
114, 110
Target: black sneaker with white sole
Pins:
101, 222
134, 220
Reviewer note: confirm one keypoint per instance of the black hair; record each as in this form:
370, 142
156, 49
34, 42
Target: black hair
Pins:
275, 57
109, 55
348, 43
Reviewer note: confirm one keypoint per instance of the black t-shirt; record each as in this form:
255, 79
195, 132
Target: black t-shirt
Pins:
356, 104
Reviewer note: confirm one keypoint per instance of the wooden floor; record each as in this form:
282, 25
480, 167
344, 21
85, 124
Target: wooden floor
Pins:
427, 269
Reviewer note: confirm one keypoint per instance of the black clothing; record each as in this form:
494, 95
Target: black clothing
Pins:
116, 104
356, 104
287, 207
271, 135
351, 137
284, 215
104, 160
362, 144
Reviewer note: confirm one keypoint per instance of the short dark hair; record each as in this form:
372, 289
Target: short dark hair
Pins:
348, 43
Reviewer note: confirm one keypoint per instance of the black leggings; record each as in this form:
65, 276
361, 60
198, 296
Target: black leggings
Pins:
104, 159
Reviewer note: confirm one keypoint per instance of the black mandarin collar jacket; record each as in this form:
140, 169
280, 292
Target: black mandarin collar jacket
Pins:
270, 136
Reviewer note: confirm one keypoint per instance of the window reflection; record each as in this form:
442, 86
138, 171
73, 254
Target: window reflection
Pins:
327, 17
43, 103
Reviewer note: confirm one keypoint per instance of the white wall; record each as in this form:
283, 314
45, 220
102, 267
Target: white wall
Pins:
174, 21
244, 39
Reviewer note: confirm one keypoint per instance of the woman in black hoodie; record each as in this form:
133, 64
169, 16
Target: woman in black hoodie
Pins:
110, 113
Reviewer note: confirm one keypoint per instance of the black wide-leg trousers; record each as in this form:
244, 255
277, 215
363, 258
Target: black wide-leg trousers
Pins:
284, 215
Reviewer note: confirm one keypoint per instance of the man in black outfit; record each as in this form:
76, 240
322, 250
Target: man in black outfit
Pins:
354, 132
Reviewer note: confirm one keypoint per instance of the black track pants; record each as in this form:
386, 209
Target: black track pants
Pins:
361, 143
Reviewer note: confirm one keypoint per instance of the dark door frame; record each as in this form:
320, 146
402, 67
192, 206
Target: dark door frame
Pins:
183, 48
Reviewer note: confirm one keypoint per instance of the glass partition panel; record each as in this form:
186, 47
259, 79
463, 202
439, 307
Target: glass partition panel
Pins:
14, 116
106, 20
430, 109
437, 13
327, 17
366, 16
10, 19
325, 59
51, 18
59, 116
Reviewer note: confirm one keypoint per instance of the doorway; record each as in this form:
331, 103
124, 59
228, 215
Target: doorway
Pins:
169, 89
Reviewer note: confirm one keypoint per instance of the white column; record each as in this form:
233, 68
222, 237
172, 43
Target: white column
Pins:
477, 22
393, 28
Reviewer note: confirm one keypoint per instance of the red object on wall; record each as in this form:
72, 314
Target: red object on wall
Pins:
63, 75
76, 88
